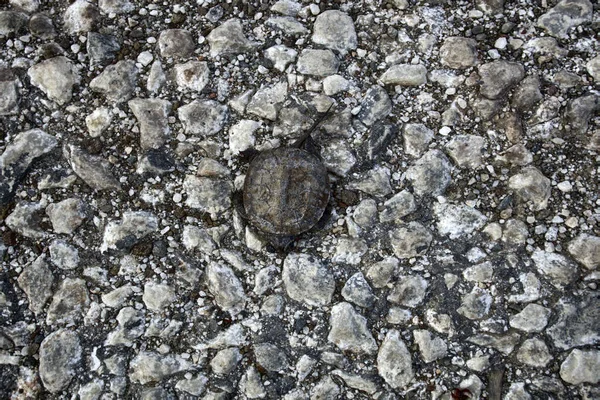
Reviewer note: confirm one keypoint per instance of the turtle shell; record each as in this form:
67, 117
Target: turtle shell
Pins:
286, 191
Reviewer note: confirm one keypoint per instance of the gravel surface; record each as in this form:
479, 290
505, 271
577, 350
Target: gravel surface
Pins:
458, 256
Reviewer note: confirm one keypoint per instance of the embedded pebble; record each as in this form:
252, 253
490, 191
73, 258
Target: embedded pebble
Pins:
60, 355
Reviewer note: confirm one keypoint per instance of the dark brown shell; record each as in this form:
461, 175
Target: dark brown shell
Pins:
286, 191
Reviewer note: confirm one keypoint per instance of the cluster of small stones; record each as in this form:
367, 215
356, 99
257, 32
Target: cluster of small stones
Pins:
461, 255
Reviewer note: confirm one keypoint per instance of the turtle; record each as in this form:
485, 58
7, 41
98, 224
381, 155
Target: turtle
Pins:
286, 191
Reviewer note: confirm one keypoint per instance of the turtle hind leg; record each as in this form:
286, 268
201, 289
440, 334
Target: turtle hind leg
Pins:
280, 244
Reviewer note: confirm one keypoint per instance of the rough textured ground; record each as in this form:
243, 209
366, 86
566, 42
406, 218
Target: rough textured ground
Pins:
459, 254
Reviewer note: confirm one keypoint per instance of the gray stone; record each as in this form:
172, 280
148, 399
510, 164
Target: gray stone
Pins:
410, 240
118, 296
357, 291
67, 215
36, 281
117, 82
397, 207
580, 111
203, 118
555, 267
515, 233
287, 7
194, 386
467, 150
535, 353
26, 5
9, 96
69, 303
307, 280
281, 56
476, 305
457, 220
60, 355
565, 15
416, 139
133, 227
226, 288
241, 135
527, 94
116, 6
430, 175
208, 195
18, 156
288, 25
531, 289
267, 100
91, 390
63, 255
380, 137
491, 7
530, 185
365, 213
431, 347
335, 30
394, 362
498, 77
155, 162
317, 62
176, 43
193, 75
131, 325
101, 48
486, 109
405, 75
349, 251
375, 182
381, 273
338, 157
586, 250
375, 106
157, 78
158, 296
578, 323
225, 361
533, 318
98, 121
581, 366
349, 330
229, 38
409, 291
25, 220
441, 323
149, 367
503, 343
152, 117
55, 77
80, 16
335, 84
593, 68
270, 357
458, 52
194, 237
41, 25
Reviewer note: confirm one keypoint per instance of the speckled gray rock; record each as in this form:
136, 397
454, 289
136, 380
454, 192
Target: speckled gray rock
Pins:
55, 77
36, 281
229, 38
527, 94
476, 304
307, 280
134, 226
80, 16
558, 269
565, 15
375, 182
98, 121
25, 220
410, 240
131, 325
194, 386
41, 25
176, 43
9, 95
430, 175
578, 323
467, 150
586, 249
93, 170
504, 343
498, 77
580, 111
251, 384
357, 291
225, 360
290, 26
533, 318
270, 357
206, 194
530, 185
593, 68
458, 52
63, 255
326, 388
203, 118
397, 207
158, 296
157, 77
416, 139
267, 100
457, 220
335, 30
149, 367
581, 366
117, 82
349, 331
335, 84
409, 291
101, 48
534, 352
338, 157
349, 251
18, 156
194, 237
226, 288
431, 347
116, 6
394, 362
152, 117
60, 354
381, 273
376, 105
317, 62
66, 215
69, 303
405, 75
281, 56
